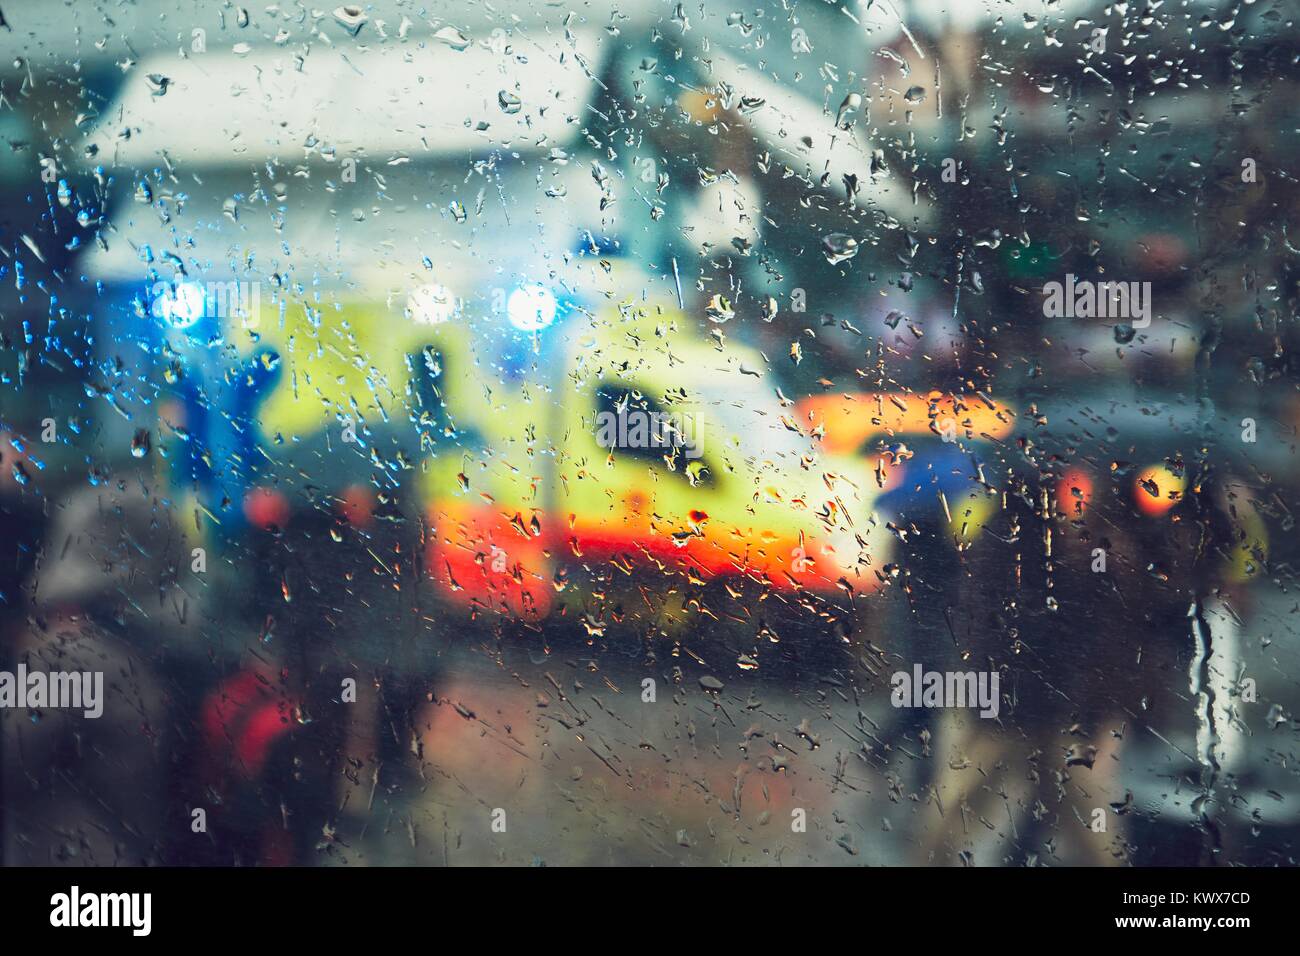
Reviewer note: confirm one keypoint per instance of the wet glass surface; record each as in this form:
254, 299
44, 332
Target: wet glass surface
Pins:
649, 433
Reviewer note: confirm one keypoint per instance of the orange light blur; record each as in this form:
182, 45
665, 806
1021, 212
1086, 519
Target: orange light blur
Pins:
1168, 488
849, 420
357, 506
1074, 492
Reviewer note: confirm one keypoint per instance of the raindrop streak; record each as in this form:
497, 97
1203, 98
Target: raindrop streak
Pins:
1207, 731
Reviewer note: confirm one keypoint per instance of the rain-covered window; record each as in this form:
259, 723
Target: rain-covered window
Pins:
649, 433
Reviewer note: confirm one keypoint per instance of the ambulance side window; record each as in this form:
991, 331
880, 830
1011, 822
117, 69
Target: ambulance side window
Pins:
631, 424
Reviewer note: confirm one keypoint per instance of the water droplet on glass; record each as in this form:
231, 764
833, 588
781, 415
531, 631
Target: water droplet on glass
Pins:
140, 443
509, 102
851, 104
351, 18
838, 247
452, 38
